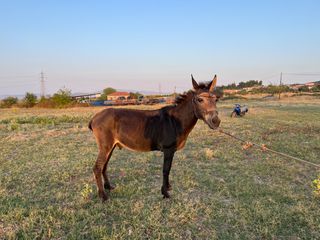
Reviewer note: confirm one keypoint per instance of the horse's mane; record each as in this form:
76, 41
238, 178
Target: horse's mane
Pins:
183, 97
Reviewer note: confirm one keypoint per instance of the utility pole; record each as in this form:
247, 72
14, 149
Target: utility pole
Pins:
42, 87
280, 84
160, 89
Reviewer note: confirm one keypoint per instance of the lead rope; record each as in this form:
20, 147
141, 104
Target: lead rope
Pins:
264, 148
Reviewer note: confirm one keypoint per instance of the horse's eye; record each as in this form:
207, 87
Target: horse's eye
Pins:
200, 100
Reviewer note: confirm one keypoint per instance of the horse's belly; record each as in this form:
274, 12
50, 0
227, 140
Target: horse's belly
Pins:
134, 147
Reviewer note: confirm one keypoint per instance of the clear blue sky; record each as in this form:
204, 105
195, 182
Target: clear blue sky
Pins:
89, 45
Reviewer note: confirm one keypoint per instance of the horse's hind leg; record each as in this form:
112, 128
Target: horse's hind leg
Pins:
107, 184
98, 168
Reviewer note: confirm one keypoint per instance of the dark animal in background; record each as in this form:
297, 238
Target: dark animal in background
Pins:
164, 130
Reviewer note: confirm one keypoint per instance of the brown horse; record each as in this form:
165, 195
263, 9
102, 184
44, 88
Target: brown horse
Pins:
165, 130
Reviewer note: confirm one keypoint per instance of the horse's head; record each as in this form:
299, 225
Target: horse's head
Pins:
204, 102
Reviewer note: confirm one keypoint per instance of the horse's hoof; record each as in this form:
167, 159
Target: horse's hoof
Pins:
109, 187
166, 196
165, 192
104, 197
169, 187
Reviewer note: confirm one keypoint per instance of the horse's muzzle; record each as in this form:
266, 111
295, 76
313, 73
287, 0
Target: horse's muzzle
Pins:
213, 120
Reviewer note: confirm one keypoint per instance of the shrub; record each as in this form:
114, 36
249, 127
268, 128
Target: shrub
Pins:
30, 100
9, 102
242, 92
45, 103
56, 102
303, 89
62, 98
316, 88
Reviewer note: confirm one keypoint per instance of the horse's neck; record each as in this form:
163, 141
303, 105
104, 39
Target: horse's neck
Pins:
185, 113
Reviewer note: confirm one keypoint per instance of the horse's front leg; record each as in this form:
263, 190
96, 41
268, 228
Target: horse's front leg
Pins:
168, 156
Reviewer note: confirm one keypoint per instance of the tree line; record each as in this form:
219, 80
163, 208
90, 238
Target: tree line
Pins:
271, 89
241, 85
62, 98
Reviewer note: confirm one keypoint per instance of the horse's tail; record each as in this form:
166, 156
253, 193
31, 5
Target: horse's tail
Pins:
89, 126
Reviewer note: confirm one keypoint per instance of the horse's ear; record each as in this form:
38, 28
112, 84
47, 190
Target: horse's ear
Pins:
213, 84
194, 83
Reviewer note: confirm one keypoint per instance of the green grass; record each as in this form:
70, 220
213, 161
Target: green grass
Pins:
219, 190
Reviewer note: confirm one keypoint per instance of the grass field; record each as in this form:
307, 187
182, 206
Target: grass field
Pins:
220, 191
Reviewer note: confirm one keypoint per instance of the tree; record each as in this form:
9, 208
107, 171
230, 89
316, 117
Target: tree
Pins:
62, 97
273, 89
241, 85
229, 86
135, 95
30, 99
315, 88
9, 102
303, 89
106, 92
250, 83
